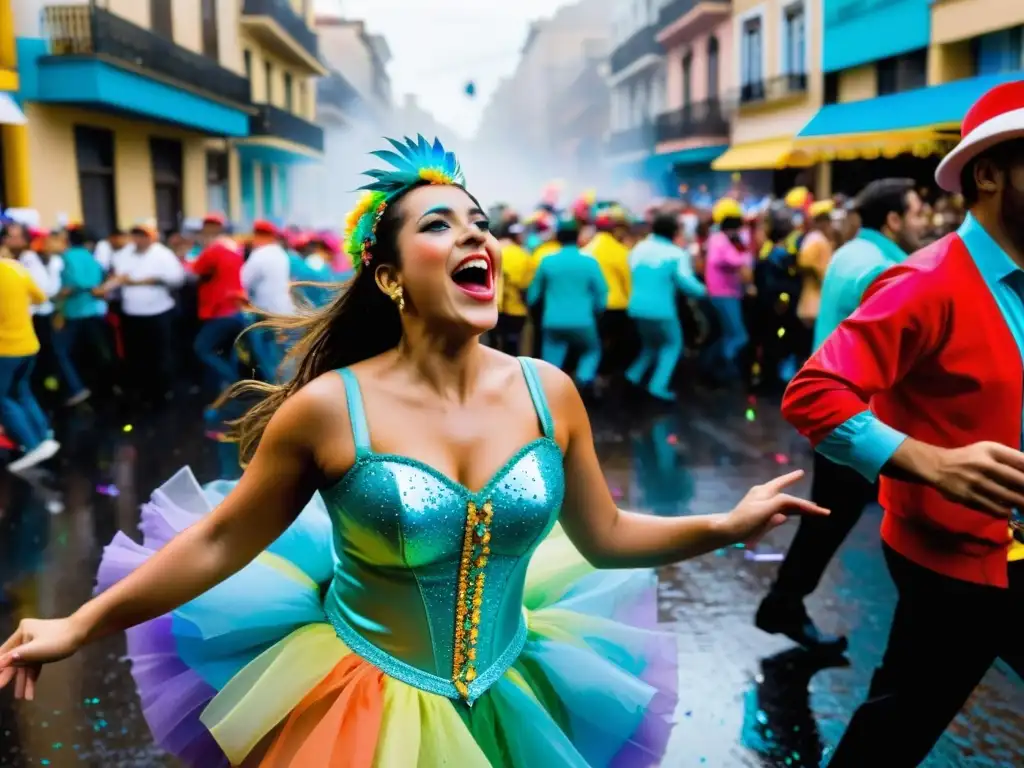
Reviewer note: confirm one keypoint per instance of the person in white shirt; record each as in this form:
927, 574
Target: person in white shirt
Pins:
106, 248
266, 278
147, 273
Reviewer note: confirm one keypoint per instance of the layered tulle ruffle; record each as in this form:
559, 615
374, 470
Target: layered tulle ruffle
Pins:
252, 672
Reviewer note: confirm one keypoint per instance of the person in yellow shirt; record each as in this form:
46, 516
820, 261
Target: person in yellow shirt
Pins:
813, 257
517, 269
616, 328
22, 418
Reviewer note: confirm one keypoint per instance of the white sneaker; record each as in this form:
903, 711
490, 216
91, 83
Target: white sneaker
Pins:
45, 450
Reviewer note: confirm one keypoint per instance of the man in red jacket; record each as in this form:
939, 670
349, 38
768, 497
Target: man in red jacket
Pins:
924, 385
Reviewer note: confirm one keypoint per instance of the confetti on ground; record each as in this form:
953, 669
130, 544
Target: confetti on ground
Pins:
108, 490
127, 428
751, 414
764, 557
781, 458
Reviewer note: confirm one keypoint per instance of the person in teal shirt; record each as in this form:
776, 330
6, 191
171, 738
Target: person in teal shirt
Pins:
659, 271
892, 222
84, 334
573, 293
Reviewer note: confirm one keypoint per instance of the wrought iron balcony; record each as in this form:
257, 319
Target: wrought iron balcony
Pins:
281, 12
634, 139
335, 91
675, 10
88, 31
773, 89
702, 118
641, 43
273, 121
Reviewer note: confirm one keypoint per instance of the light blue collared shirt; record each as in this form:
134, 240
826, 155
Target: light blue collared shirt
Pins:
659, 269
865, 443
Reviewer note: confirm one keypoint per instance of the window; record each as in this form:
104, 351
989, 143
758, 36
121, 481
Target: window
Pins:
268, 79
289, 96
794, 40
247, 59
687, 79
208, 17
217, 182
997, 52
160, 20
907, 72
713, 68
94, 155
166, 156
752, 60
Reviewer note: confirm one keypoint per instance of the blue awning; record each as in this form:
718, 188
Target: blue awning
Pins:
938, 107
658, 165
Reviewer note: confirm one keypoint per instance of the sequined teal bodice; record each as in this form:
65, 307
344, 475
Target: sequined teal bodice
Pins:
430, 575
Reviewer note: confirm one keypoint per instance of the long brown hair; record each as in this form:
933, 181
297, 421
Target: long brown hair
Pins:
360, 323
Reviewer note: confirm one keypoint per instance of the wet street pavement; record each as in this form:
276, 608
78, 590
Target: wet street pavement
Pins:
747, 699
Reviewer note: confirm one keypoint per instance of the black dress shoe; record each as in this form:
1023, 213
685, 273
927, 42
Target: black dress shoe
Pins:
781, 616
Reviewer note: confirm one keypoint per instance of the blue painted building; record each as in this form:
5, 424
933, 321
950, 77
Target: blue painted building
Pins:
899, 76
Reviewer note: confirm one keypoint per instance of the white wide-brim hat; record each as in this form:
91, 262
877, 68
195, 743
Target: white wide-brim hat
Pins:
996, 117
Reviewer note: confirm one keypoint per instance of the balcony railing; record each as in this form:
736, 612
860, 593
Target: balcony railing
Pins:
272, 121
675, 10
773, 89
281, 12
634, 139
641, 43
703, 118
82, 30
335, 91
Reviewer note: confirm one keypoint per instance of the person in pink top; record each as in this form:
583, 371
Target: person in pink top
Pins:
727, 271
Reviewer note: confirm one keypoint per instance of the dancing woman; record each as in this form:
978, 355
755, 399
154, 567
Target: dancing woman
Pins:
449, 622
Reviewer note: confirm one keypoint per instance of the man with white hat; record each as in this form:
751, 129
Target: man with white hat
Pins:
924, 385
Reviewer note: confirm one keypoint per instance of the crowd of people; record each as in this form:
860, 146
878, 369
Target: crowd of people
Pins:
617, 298
136, 317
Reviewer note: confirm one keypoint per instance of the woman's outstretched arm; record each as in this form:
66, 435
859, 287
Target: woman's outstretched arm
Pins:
275, 487
613, 538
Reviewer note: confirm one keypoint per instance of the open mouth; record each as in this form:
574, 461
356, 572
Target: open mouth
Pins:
474, 277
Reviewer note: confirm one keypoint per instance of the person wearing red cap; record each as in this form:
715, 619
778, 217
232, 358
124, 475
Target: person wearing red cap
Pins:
266, 277
924, 385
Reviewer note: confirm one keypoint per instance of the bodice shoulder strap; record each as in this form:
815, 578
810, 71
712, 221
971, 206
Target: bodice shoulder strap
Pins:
356, 413
540, 400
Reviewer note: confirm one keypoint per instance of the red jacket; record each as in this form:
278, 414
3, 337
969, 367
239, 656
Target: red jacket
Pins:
929, 350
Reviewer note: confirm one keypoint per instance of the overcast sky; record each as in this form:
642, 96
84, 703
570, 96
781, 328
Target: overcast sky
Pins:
438, 46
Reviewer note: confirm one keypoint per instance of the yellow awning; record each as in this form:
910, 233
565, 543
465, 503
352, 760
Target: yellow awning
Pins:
763, 155
921, 142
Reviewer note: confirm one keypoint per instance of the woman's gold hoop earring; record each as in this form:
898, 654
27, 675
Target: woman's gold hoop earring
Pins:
397, 296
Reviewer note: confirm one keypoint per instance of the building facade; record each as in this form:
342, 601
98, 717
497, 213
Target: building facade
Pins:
899, 78
162, 110
778, 87
14, 178
694, 128
637, 78
280, 53
354, 109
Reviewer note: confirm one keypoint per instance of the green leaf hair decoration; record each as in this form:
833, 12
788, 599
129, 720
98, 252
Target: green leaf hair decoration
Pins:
412, 164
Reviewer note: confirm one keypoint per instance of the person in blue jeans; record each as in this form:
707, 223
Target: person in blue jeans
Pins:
572, 289
659, 271
20, 414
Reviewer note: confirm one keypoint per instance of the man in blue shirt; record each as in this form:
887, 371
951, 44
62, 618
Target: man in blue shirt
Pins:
659, 271
573, 292
892, 223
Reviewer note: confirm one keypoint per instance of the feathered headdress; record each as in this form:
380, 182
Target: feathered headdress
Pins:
413, 163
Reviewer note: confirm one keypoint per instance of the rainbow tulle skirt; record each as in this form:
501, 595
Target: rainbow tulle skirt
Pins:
251, 673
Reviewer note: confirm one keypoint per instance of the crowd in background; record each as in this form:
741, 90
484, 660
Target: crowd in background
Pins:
618, 299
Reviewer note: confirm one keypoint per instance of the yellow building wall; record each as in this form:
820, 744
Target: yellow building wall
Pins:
949, 61
858, 83
135, 11
954, 20
784, 118
51, 150
273, 91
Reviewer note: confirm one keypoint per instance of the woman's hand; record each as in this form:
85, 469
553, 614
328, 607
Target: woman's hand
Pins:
766, 507
33, 644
